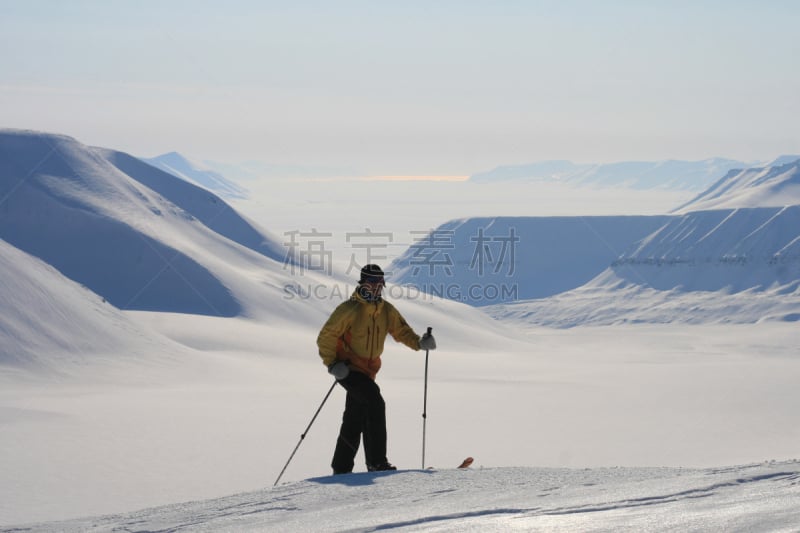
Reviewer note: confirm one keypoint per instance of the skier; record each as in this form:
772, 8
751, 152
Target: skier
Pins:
350, 344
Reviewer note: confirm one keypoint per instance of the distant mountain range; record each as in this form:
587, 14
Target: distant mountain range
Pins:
142, 238
737, 259
669, 174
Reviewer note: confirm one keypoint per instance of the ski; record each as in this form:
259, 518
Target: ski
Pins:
466, 462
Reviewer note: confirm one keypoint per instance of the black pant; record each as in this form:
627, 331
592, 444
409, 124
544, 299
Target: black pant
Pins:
364, 413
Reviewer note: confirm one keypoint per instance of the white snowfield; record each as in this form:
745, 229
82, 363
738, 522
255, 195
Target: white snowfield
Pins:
760, 497
156, 348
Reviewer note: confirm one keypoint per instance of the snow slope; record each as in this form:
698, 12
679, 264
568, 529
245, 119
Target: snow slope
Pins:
733, 265
213, 212
670, 174
725, 249
177, 165
759, 497
771, 186
52, 324
223, 417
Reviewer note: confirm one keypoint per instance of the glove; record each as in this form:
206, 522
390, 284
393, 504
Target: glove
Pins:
339, 370
427, 342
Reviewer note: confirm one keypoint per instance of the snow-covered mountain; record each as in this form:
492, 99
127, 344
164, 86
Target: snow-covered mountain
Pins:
208, 178
139, 237
213, 212
484, 261
723, 266
726, 249
669, 174
776, 185
715, 265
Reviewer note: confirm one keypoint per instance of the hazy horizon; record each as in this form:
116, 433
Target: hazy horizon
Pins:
415, 88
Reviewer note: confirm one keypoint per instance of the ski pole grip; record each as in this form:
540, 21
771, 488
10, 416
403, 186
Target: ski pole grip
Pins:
429, 330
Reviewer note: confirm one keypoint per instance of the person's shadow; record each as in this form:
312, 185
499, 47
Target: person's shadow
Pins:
360, 479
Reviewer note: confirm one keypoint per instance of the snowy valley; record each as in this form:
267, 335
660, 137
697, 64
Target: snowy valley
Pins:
607, 370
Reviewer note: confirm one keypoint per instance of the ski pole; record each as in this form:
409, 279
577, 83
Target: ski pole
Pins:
303, 436
425, 404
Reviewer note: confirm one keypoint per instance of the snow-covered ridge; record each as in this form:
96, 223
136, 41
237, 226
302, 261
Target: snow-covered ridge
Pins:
771, 186
206, 207
178, 165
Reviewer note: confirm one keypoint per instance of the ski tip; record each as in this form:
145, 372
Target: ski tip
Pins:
466, 462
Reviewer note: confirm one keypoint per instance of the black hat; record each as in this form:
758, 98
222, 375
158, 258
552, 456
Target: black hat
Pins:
371, 274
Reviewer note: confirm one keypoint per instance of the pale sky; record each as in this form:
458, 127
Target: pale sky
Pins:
412, 87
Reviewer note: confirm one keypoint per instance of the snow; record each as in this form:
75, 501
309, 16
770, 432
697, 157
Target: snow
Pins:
777, 185
224, 418
718, 266
632, 396
159, 416
45, 313
609, 301
759, 497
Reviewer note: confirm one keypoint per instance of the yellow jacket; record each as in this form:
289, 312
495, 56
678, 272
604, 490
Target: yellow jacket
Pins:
356, 330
